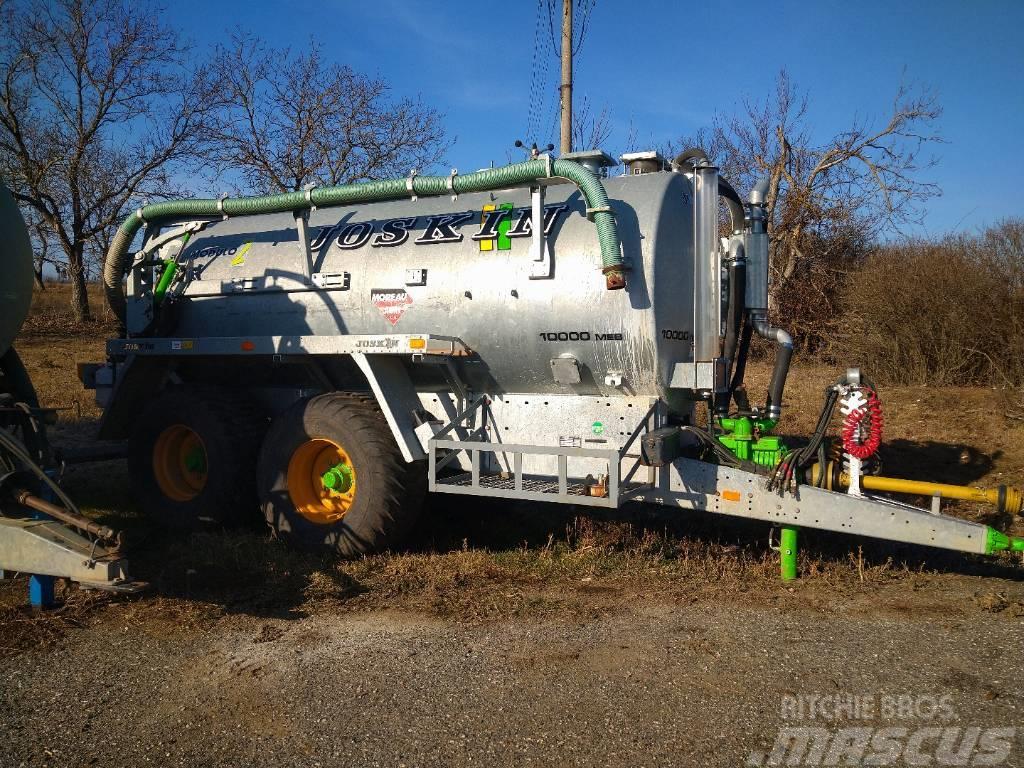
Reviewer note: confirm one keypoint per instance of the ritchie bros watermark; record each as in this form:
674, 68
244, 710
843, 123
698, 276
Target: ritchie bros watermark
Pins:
879, 730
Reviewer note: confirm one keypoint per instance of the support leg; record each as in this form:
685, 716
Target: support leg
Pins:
40, 588
787, 552
40, 592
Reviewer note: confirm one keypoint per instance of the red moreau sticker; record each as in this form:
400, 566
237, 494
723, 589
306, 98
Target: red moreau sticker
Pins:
392, 302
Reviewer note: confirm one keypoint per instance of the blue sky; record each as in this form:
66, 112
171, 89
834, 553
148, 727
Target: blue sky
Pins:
665, 68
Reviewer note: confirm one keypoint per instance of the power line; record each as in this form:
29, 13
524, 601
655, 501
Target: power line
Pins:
544, 96
584, 9
556, 47
536, 84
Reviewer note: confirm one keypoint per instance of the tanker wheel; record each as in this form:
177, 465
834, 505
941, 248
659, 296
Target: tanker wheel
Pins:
192, 458
332, 477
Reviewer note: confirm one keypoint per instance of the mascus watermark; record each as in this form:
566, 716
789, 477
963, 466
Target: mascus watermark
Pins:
925, 737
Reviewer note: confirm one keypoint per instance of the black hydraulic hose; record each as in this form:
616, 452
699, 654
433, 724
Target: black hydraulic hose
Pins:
740, 369
786, 473
737, 295
783, 356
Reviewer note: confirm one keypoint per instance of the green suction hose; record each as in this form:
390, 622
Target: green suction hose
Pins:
598, 210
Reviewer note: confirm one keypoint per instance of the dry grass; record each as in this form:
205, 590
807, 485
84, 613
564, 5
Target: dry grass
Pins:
51, 345
51, 315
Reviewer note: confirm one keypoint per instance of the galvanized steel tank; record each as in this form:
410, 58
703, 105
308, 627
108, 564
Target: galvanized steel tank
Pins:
464, 268
15, 270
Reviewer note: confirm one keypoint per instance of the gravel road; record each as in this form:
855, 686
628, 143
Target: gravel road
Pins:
646, 684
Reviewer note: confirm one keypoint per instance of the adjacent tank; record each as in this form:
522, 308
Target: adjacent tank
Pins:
15, 270
464, 268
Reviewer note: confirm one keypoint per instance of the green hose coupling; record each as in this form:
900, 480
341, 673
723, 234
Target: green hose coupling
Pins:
1000, 542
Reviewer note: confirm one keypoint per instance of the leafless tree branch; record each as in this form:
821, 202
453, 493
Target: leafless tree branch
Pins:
98, 109
294, 119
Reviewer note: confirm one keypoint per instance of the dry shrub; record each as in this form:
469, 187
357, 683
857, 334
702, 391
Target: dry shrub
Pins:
809, 306
946, 312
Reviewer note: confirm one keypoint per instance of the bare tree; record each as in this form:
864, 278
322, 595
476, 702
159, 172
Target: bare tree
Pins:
42, 253
591, 130
830, 199
96, 107
294, 119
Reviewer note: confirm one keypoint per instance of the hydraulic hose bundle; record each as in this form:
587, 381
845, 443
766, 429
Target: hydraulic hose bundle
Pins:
786, 475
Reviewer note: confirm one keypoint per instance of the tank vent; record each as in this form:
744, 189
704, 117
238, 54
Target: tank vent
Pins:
594, 160
638, 163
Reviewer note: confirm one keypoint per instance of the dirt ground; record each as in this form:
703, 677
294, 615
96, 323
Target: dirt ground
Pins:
512, 634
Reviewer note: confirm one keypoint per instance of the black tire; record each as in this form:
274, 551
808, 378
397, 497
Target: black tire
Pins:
230, 431
388, 492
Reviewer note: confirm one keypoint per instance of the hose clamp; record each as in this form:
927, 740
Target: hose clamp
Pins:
548, 163
409, 184
600, 209
451, 183
141, 215
220, 204
309, 196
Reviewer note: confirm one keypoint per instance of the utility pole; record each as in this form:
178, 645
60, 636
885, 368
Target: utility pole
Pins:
566, 87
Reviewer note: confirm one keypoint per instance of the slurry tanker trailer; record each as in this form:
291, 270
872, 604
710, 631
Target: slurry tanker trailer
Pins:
540, 331
543, 331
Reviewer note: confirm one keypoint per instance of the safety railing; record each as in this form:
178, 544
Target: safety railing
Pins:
562, 488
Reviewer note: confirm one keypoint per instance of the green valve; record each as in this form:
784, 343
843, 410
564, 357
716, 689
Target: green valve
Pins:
338, 478
999, 542
766, 451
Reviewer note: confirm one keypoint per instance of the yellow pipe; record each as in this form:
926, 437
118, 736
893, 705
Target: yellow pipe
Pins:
1013, 501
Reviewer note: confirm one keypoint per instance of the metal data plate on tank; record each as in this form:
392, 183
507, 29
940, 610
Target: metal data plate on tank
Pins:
560, 420
472, 281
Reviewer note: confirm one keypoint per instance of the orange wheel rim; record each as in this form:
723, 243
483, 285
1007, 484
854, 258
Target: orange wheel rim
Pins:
180, 463
321, 481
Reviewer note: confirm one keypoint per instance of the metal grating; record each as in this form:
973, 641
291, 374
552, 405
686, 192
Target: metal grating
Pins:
508, 483
519, 485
